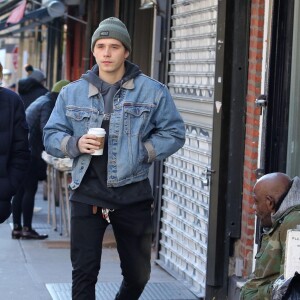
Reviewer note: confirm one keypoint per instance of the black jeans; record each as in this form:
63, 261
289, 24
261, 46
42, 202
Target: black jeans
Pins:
133, 233
23, 201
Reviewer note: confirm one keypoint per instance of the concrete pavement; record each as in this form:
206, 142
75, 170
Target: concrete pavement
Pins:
32, 270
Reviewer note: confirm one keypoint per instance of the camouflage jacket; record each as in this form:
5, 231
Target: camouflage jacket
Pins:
270, 258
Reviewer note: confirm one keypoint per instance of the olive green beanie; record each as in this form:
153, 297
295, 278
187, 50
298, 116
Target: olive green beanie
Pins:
112, 28
59, 85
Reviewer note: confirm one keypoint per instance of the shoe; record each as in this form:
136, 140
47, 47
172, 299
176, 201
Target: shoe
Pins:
16, 233
31, 234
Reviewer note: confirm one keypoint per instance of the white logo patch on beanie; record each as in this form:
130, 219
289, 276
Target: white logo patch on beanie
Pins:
104, 33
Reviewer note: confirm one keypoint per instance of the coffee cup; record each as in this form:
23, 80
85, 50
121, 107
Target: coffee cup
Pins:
100, 134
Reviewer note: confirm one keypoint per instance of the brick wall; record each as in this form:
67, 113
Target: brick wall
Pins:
252, 133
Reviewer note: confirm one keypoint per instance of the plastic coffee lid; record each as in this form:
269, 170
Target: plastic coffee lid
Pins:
97, 130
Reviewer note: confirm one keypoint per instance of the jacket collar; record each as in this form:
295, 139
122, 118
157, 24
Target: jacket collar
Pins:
128, 85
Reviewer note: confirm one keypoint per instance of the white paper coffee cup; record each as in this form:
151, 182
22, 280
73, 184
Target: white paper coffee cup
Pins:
100, 133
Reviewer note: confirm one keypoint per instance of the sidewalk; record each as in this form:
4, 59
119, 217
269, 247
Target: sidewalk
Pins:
42, 269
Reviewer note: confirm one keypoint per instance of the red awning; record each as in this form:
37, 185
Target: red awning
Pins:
17, 13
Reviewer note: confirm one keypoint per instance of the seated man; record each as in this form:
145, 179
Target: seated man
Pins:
277, 205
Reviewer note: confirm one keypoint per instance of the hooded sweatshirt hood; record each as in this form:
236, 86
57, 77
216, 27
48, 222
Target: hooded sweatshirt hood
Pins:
107, 90
291, 200
131, 71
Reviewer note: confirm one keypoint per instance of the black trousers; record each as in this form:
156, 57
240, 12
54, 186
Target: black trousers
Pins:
23, 201
133, 232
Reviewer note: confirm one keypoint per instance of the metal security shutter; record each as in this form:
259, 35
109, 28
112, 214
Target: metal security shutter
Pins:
185, 200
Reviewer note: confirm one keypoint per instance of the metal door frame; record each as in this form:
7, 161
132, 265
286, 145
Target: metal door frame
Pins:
279, 86
228, 141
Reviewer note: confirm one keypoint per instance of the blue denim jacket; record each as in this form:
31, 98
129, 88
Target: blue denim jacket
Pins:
145, 126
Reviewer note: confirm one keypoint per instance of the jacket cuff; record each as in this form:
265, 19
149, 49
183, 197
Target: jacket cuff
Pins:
150, 151
69, 146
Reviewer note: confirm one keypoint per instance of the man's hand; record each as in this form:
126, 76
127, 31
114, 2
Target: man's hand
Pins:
88, 143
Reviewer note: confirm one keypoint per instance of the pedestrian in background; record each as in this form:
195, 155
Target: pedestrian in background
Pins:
277, 205
142, 125
14, 148
37, 115
32, 87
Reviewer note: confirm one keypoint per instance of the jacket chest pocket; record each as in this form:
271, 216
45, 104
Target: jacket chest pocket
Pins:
80, 119
135, 118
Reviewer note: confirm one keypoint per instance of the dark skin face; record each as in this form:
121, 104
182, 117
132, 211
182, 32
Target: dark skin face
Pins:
267, 192
264, 206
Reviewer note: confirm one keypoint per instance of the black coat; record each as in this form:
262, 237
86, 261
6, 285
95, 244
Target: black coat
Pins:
14, 148
30, 89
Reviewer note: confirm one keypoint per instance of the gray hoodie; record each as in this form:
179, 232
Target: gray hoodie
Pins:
291, 200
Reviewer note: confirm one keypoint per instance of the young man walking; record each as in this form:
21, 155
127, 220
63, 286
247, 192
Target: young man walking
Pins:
142, 125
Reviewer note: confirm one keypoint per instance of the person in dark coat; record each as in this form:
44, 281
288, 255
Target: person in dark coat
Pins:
31, 87
37, 115
14, 148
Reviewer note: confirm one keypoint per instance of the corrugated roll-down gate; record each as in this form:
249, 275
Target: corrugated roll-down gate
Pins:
185, 200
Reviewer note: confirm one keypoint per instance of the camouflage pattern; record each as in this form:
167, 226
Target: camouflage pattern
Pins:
270, 258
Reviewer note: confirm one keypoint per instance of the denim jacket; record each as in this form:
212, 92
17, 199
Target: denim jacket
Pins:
145, 126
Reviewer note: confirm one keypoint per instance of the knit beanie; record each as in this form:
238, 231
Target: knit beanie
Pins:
59, 85
38, 75
112, 28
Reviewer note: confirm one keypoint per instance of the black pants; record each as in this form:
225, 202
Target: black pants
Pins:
133, 233
23, 201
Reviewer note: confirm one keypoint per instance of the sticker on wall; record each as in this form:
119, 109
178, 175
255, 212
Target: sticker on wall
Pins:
218, 106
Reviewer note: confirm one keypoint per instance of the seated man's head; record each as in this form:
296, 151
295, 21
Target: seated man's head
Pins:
269, 191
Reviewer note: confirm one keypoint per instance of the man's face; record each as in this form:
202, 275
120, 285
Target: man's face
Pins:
110, 55
263, 206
